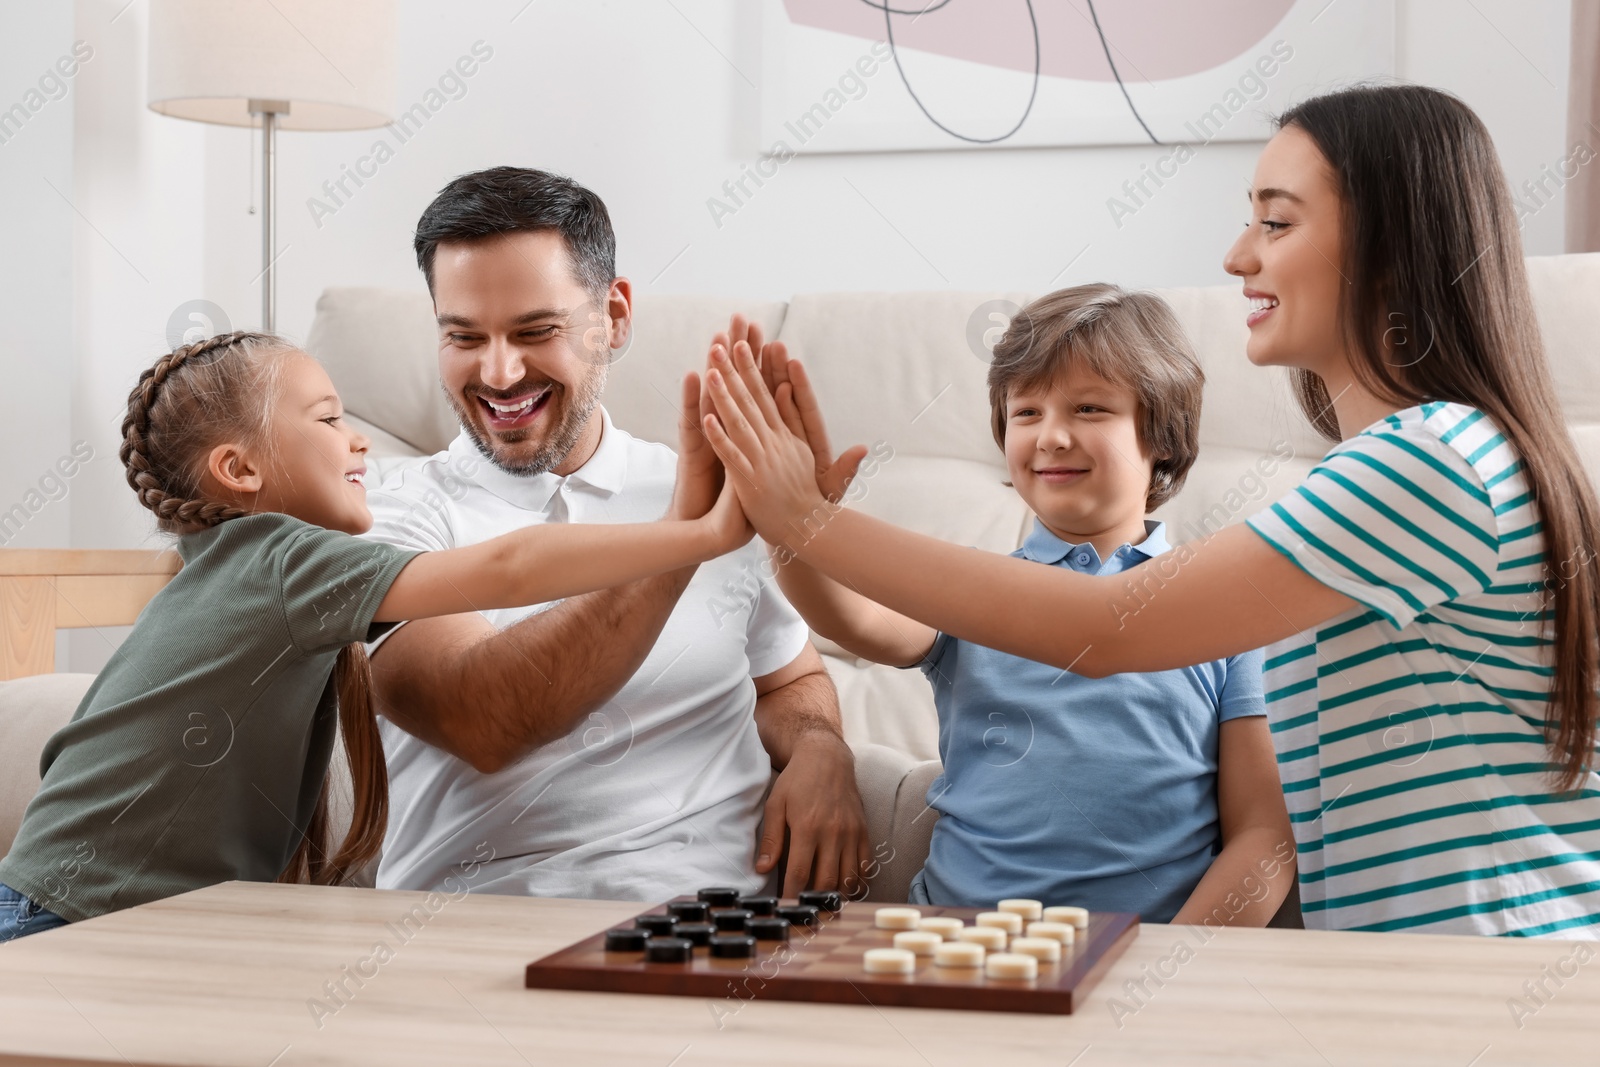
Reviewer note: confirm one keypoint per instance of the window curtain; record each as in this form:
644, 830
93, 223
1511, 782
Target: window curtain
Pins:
1583, 127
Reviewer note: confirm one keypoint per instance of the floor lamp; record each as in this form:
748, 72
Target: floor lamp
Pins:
279, 64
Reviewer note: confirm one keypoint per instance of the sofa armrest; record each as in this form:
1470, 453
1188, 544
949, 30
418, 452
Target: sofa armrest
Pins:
894, 789
31, 711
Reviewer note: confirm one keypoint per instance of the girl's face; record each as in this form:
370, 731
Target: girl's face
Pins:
317, 463
1289, 257
1073, 453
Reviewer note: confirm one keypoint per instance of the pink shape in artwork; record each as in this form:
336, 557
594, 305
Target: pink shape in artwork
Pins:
1151, 40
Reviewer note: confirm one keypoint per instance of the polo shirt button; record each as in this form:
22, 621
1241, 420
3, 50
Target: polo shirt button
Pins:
1083, 558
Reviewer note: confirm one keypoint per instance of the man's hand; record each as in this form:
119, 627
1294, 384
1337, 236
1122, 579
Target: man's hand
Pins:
816, 801
699, 469
700, 473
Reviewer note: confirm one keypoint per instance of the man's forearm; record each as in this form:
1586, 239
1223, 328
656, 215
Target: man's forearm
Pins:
806, 708
494, 700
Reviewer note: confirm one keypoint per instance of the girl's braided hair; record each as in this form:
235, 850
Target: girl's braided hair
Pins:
197, 396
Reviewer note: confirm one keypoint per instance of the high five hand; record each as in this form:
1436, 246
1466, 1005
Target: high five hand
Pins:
699, 478
791, 389
771, 463
699, 471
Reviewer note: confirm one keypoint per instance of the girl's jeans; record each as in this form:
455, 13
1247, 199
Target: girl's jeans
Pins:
20, 916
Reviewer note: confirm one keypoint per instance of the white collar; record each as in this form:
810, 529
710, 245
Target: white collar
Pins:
605, 471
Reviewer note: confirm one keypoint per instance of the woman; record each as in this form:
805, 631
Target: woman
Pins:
1429, 581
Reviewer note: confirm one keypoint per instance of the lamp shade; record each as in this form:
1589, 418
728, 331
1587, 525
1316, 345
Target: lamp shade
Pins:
332, 61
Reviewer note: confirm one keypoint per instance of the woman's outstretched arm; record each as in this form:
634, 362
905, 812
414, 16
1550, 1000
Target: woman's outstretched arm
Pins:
1228, 594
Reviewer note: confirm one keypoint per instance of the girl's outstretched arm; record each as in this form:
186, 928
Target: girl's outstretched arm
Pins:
556, 560
1226, 595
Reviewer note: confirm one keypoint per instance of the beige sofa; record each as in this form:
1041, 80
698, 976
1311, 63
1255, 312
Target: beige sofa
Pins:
903, 368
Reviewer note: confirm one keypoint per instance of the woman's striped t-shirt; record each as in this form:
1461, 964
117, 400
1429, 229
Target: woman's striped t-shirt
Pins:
1410, 731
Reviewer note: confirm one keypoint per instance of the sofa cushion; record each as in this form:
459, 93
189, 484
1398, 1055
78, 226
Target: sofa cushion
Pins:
380, 347
671, 336
1565, 290
31, 711
1245, 407
1227, 485
883, 705
898, 367
911, 368
952, 499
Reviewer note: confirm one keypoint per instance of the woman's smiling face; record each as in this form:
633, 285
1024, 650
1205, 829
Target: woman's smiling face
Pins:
1290, 258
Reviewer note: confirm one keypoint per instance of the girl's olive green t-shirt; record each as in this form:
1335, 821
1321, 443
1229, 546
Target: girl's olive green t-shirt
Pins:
198, 754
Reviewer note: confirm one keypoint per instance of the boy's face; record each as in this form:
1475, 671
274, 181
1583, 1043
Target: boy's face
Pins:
1073, 452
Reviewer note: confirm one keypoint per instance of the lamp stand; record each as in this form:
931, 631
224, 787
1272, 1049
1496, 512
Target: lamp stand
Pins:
269, 110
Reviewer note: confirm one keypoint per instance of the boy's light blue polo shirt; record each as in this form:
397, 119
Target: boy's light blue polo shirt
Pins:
1099, 792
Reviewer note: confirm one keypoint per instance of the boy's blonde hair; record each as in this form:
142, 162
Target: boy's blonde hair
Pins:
1132, 339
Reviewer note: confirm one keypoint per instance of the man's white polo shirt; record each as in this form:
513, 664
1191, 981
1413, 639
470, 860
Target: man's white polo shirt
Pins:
656, 794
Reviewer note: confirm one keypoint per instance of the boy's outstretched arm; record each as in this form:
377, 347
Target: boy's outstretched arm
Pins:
850, 620
1227, 595
1248, 880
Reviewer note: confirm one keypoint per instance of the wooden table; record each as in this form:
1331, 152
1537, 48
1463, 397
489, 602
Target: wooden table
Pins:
233, 975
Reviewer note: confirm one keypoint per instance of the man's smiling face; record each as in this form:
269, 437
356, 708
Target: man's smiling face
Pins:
524, 347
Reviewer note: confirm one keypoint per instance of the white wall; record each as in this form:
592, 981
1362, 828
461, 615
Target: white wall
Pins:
640, 100
1508, 60
36, 317
138, 179
630, 98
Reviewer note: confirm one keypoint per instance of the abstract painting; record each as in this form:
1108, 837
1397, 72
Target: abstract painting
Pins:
884, 75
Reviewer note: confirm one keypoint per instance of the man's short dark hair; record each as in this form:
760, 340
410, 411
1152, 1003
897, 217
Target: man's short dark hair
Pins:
504, 200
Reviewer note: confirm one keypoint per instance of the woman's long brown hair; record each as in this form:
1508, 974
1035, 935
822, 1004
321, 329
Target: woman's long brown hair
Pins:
198, 396
1437, 307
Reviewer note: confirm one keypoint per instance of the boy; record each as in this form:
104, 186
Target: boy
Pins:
1154, 792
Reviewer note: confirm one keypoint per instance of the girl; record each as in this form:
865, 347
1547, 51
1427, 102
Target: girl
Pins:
1429, 587
200, 753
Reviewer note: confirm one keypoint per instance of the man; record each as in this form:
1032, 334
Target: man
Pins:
615, 745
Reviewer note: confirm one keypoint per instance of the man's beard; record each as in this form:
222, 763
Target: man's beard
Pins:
559, 443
